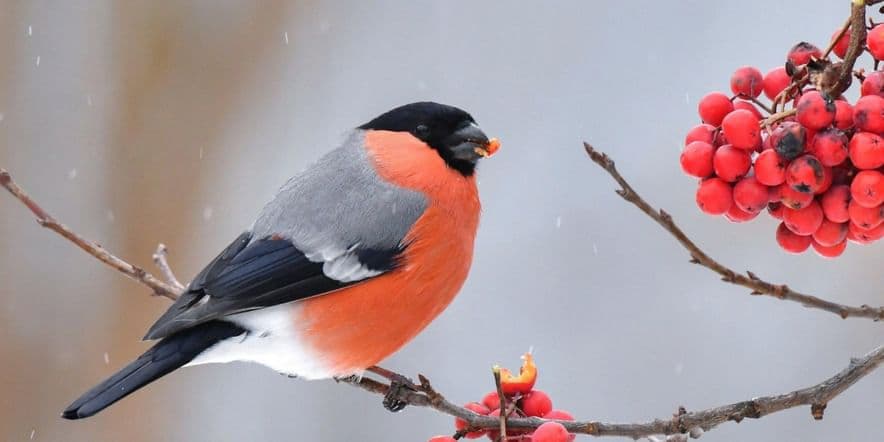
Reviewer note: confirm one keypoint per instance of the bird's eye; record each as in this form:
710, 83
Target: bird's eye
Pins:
422, 130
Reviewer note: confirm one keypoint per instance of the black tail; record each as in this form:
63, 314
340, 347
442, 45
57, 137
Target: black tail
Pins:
162, 358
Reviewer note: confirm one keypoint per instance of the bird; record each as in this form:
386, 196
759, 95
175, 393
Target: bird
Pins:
349, 261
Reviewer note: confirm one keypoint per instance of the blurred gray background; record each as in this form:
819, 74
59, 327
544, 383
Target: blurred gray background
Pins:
138, 122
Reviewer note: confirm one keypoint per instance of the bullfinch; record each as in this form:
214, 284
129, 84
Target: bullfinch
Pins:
347, 263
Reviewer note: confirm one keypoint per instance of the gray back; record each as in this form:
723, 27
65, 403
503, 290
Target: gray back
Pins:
340, 203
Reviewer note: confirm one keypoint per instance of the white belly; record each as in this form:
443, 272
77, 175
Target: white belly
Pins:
272, 340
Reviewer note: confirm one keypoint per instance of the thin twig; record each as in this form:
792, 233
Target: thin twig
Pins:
46, 220
698, 256
692, 423
760, 104
502, 398
777, 117
159, 258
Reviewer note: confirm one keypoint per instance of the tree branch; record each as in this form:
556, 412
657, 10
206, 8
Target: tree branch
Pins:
46, 220
698, 256
159, 258
854, 49
692, 423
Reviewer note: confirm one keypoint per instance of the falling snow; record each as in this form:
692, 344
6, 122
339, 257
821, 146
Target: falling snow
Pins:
33, 433
1, 117
285, 36
207, 213
595, 249
89, 100
687, 98
72, 174
558, 222
38, 60
106, 358
30, 31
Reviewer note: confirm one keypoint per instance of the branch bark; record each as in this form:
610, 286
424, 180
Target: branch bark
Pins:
750, 280
46, 220
693, 423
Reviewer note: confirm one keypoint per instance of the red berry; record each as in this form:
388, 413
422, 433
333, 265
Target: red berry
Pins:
791, 242
741, 129
802, 52
511, 384
706, 133
491, 401
442, 439
835, 202
805, 174
875, 42
696, 159
737, 215
750, 195
559, 415
775, 81
873, 84
867, 188
833, 251
536, 403
830, 233
775, 210
730, 163
865, 217
745, 105
770, 169
804, 221
788, 139
840, 48
792, 198
714, 196
866, 150
828, 177
460, 424
746, 82
551, 432
843, 115
816, 110
868, 114
714, 107
830, 147
864, 236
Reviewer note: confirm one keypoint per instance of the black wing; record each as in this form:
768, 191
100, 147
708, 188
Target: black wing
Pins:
249, 275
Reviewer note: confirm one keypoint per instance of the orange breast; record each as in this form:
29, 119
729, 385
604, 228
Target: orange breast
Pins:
359, 326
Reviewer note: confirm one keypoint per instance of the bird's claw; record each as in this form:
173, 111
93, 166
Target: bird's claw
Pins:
400, 387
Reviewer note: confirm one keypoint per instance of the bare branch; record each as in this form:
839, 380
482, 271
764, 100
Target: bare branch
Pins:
159, 258
749, 280
857, 26
502, 398
44, 219
693, 424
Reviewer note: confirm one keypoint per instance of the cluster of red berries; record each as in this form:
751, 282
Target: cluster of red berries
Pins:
816, 165
522, 400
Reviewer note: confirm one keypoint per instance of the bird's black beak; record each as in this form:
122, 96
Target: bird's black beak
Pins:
470, 143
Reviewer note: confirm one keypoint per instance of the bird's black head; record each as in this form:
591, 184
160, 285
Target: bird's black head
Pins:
451, 131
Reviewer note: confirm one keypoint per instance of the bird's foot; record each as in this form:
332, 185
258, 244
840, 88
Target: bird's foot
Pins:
400, 388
